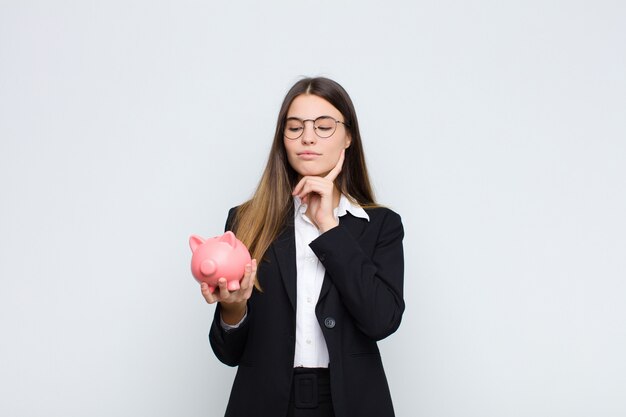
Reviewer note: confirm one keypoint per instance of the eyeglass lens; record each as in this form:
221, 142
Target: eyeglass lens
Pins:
324, 127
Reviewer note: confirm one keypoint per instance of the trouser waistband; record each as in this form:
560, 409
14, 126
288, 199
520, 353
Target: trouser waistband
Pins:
310, 387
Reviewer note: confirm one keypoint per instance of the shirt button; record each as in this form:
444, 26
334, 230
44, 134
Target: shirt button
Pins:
329, 322
309, 300
308, 341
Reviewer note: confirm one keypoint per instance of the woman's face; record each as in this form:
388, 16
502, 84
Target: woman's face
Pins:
310, 154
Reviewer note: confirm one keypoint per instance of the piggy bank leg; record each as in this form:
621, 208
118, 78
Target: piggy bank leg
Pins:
212, 289
233, 285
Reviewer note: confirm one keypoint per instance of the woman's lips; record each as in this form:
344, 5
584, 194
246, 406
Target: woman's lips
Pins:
308, 156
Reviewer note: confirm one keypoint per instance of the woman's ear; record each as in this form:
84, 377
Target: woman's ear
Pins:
348, 142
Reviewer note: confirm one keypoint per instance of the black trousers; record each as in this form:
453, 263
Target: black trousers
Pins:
310, 393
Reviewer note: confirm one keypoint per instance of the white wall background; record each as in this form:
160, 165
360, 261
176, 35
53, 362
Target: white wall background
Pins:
496, 128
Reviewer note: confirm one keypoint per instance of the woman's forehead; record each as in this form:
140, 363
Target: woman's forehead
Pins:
309, 106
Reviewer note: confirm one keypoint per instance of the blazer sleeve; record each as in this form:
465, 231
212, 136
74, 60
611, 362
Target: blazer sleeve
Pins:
370, 286
228, 345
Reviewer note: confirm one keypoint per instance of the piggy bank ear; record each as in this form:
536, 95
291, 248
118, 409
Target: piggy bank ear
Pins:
195, 241
229, 238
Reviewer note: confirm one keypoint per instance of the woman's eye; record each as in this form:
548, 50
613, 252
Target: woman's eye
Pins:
294, 129
324, 128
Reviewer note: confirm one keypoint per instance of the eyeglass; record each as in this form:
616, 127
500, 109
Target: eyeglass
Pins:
324, 127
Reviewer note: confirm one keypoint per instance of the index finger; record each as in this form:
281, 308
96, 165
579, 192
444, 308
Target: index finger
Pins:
337, 169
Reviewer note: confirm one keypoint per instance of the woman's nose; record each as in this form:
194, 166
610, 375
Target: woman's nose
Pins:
308, 133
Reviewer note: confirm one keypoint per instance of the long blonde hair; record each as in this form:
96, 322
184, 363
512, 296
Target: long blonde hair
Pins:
260, 220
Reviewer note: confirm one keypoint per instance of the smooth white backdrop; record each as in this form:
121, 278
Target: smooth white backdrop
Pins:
496, 129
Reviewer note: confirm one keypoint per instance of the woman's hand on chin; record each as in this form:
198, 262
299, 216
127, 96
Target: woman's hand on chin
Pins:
318, 193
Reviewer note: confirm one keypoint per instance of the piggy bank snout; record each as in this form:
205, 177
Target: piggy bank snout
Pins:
208, 267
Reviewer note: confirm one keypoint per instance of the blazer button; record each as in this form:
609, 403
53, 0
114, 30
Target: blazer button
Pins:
329, 322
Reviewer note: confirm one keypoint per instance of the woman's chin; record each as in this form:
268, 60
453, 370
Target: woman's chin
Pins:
311, 172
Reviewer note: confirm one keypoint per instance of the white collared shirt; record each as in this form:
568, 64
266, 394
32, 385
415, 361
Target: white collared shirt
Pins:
311, 349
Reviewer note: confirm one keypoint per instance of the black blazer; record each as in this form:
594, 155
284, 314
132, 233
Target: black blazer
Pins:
361, 302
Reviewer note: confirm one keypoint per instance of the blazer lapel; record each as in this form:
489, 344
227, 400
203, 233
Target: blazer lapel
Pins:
285, 251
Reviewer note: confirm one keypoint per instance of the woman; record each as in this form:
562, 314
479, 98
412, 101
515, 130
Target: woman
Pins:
303, 327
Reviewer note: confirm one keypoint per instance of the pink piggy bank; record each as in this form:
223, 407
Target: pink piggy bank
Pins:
217, 257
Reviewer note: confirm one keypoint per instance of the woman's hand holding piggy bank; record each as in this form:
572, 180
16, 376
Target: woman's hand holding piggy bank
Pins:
222, 256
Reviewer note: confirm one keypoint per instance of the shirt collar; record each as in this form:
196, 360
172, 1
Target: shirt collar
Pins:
345, 206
